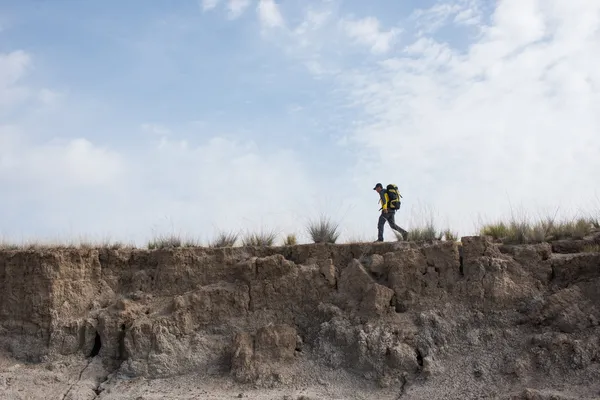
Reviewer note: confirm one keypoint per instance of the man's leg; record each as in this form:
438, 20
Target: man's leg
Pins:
380, 226
392, 221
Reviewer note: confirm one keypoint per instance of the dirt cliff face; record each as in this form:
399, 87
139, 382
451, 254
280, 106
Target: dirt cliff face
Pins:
428, 320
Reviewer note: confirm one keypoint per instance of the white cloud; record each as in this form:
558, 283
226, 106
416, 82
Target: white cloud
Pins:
514, 118
518, 22
237, 7
13, 66
431, 19
462, 12
208, 5
14, 91
156, 130
75, 163
49, 97
367, 31
221, 184
313, 21
269, 14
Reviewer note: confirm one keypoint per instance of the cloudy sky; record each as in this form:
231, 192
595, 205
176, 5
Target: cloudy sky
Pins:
123, 120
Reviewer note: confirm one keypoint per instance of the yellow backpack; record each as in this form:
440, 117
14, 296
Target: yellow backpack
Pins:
394, 196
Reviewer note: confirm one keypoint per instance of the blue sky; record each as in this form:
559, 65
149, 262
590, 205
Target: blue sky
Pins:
124, 119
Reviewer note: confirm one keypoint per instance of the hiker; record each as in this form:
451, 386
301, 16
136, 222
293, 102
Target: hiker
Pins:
390, 203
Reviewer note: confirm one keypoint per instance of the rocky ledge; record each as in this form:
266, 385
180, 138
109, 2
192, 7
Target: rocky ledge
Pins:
474, 319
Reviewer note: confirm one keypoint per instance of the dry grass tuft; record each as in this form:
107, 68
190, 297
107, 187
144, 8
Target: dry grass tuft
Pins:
423, 233
225, 239
259, 239
290, 240
422, 225
498, 230
575, 229
323, 230
172, 241
450, 235
165, 242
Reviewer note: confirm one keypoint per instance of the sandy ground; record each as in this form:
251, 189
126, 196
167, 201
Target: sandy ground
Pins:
76, 378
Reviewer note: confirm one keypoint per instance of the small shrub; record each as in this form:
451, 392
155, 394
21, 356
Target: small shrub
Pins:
290, 240
259, 239
323, 231
225, 239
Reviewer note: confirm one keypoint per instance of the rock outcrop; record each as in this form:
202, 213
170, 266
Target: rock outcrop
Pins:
501, 320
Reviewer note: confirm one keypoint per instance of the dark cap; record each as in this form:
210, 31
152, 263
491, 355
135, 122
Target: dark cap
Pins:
378, 185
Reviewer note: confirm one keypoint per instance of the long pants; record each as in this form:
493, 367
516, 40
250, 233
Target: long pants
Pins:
390, 218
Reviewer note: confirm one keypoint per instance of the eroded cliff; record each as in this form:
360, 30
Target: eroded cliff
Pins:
431, 320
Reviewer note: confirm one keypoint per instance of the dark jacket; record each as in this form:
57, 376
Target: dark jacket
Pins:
384, 199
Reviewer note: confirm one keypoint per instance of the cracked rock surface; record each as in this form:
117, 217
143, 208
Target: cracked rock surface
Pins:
433, 320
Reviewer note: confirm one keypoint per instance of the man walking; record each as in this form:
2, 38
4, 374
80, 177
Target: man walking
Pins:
388, 213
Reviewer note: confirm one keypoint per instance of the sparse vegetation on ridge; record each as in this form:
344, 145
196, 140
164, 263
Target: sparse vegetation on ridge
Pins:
324, 230
49, 245
547, 229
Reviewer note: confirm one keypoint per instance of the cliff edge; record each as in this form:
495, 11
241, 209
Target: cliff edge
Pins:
468, 320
